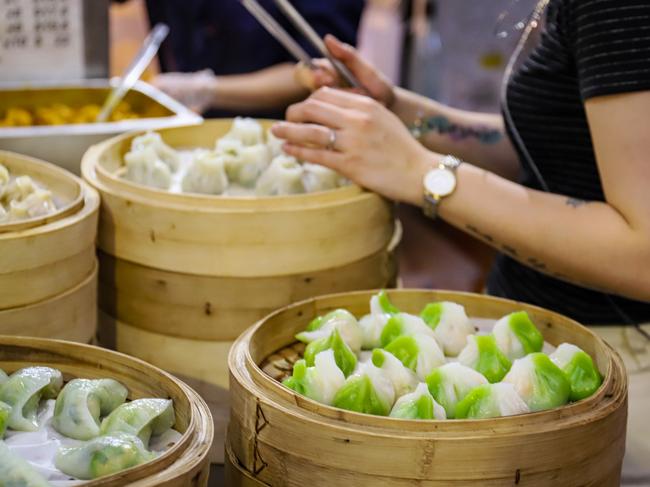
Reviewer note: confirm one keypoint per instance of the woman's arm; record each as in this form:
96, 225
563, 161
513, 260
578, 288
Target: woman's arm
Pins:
597, 245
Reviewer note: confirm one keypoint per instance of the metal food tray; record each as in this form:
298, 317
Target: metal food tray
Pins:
65, 145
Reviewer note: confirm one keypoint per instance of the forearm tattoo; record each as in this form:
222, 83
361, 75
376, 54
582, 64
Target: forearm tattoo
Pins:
444, 126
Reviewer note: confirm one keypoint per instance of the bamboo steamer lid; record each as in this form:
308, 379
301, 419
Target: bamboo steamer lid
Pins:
283, 439
71, 315
183, 465
46, 257
230, 236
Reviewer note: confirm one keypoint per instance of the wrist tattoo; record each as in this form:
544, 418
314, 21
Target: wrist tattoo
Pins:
444, 126
576, 202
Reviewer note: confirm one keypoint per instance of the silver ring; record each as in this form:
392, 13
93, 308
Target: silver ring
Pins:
331, 143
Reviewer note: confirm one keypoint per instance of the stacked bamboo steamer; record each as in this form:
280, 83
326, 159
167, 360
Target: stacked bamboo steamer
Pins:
183, 275
186, 463
278, 438
48, 268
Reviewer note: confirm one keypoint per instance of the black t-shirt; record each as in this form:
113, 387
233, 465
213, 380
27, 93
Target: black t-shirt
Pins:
588, 48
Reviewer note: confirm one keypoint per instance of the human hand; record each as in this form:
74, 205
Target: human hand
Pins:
370, 145
194, 90
373, 82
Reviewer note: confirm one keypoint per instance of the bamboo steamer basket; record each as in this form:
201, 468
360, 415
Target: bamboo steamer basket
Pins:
183, 465
71, 315
236, 475
46, 257
230, 236
283, 439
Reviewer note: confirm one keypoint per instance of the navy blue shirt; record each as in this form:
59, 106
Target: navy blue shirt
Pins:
223, 36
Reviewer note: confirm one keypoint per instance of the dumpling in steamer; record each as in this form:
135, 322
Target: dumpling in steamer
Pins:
482, 354
517, 336
319, 178
339, 319
320, 382
164, 153
246, 130
404, 379
38, 203
4, 180
14, 471
206, 175
368, 391
283, 177
20, 188
450, 324
144, 167
141, 418
274, 144
418, 404
491, 401
450, 383
420, 353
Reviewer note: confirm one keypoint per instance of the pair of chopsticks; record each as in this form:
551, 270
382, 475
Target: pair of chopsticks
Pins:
283, 37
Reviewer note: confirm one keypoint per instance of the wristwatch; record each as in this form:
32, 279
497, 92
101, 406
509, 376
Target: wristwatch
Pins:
438, 183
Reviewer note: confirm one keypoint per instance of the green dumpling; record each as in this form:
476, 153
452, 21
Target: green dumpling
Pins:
491, 401
403, 324
366, 391
517, 336
16, 472
381, 303
5, 412
339, 319
404, 379
482, 354
101, 456
319, 382
24, 390
418, 404
539, 382
450, 383
579, 369
419, 353
82, 403
450, 323
141, 418
344, 357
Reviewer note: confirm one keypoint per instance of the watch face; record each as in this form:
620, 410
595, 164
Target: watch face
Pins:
440, 182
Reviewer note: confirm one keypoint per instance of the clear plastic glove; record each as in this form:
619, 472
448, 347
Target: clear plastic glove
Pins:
374, 83
194, 90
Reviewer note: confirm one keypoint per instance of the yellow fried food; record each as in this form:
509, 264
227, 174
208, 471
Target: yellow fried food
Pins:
17, 117
62, 114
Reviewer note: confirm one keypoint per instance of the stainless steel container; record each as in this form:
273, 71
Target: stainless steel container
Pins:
64, 145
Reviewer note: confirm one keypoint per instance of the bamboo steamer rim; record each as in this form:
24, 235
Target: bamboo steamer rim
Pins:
89, 204
46, 175
94, 169
182, 457
313, 410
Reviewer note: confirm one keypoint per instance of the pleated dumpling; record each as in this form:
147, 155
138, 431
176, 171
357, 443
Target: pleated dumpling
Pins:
403, 324
23, 392
539, 382
450, 383
450, 323
320, 382
482, 354
340, 319
163, 152
102, 456
420, 353
579, 368
319, 178
144, 167
142, 418
243, 164
5, 412
404, 379
82, 403
16, 472
491, 401
368, 391
517, 336
283, 177
206, 174
418, 404
248, 131
37, 203
19, 188
372, 325
343, 355
274, 143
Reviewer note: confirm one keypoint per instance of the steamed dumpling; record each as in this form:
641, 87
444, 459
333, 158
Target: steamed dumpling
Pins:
153, 141
482, 354
274, 143
16, 472
283, 177
340, 319
244, 164
82, 402
102, 456
517, 336
5, 412
3, 377
403, 324
4, 180
450, 324
20, 188
23, 392
343, 355
37, 203
141, 418
144, 167
450, 383
319, 178
579, 369
491, 401
404, 379
418, 404
539, 382
368, 391
372, 325
246, 130
420, 353
320, 382
206, 175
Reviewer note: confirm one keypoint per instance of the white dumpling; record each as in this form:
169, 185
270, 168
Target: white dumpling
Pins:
450, 324
19, 189
319, 178
274, 143
153, 140
4, 180
283, 177
144, 167
404, 379
246, 130
206, 175
371, 327
38, 203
